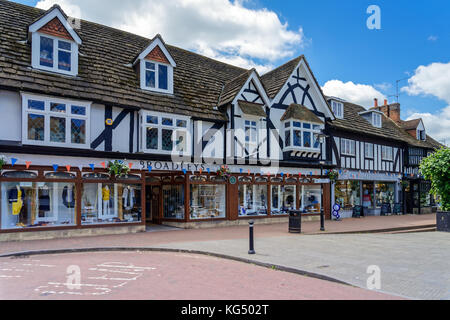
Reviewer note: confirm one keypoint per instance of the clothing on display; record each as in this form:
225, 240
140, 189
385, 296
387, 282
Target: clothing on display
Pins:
44, 199
106, 193
128, 198
15, 197
68, 197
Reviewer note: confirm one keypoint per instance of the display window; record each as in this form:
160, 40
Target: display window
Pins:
253, 200
37, 204
284, 199
173, 201
208, 201
348, 194
311, 199
368, 194
107, 203
385, 194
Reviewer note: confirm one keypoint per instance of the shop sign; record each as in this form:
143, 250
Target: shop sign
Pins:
322, 181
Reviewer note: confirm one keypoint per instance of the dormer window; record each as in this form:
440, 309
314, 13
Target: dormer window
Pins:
373, 117
376, 120
54, 44
338, 109
156, 67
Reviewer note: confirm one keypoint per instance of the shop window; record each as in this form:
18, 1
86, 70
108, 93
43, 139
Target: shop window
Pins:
385, 194
165, 134
311, 199
261, 180
19, 175
60, 175
291, 180
245, 179
218, 179
37, 204
179, 179
167, 179
368, 194
277, 180
106, 203
208, 201
96, 176
130, 177
348, 194
153, 179
199, 178
284, 199
173, 202
55, 122
253, 200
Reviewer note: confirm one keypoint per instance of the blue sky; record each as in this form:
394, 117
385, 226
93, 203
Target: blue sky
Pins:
339, 46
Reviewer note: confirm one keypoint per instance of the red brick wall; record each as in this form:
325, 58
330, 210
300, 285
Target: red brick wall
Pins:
56, 28
157, 55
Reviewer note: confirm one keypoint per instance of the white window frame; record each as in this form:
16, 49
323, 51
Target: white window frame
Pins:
251, 146
314, 133
338, 109
36, 54
160, 127
377, 120
47, 114
385, 153
348, 147
143, 71
368, 150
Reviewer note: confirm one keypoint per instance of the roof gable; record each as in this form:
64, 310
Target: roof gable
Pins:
156, 51
55, 22
302, 113
277, 78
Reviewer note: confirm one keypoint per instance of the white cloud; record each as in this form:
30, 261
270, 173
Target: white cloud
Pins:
433, 38
437, 125
433, 79
361, 94
220, 29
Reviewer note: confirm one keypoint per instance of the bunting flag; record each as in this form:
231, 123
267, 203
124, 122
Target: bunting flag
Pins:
149, 169
68, 168
81, 168
184, 171
103, 164
249, 172
130, 165
28, 164
201, 171
241, 170
92, 166
55, 167
209, 171
282, 174
13, 161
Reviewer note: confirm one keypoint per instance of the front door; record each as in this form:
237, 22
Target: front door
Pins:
152, 202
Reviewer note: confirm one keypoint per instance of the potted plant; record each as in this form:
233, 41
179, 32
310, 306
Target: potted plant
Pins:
333, 175
436, 168
118, 168
224, 172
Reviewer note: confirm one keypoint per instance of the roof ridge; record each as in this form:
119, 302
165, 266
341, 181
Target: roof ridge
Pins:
283, 65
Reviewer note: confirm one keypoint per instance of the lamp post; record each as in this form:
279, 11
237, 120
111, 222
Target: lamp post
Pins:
322, 138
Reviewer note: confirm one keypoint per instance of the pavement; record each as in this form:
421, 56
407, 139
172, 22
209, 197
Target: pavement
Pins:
412, 265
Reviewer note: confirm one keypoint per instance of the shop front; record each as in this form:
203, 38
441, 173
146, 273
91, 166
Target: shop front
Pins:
366, 197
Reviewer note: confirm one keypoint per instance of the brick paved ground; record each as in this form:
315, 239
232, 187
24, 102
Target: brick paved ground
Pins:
161, 276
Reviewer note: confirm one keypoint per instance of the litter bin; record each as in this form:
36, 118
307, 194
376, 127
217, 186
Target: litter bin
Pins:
295, 221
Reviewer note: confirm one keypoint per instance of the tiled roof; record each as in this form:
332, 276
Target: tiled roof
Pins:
411, 124
251, 108
232, 87
302, 113
275, 79
390, 130
105, 71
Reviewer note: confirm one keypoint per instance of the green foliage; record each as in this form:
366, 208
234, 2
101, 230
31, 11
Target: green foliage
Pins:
436, 168
2, 162
333, 175
118, 168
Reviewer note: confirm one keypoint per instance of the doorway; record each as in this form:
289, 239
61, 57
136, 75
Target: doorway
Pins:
153, 215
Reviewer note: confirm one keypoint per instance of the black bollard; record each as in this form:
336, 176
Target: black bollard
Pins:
252, 242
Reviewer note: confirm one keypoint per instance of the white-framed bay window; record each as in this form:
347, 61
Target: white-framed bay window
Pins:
54, 54
348, 147
165, 133
50, 121
301, 136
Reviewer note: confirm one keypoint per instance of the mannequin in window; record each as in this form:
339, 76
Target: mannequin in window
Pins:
128, 198
68, 197
44, 201
367, 199
106, 196
15, 198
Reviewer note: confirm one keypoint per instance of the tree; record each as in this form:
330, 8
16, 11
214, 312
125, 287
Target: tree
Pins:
436, 168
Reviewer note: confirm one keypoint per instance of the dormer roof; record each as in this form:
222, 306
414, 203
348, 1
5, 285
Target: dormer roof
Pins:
301, 113
55, 22
157, 51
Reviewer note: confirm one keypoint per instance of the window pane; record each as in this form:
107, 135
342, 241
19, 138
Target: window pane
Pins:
173, 201
297, 124
78, 131
297, 138
307, 139
64, 62
287, 140
57, 129
162, 77
208, 201
152, 120
167, 143
316, 141
287, 125
252, 200
283, 199
181, 123
167, 122
307, 125
150, 66
36, 127
150, 79
57, 107
46, 52
180, 143
316, 127
79, 110
64, 45
152, 138
36, 105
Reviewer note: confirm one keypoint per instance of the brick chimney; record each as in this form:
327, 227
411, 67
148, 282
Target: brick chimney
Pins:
376, 103
390, 110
